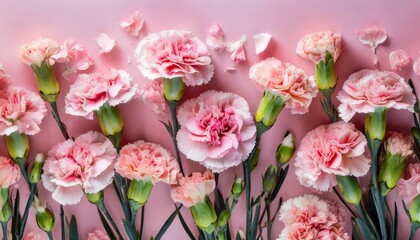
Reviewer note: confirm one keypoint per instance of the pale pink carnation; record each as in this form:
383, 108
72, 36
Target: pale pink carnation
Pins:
309, 217
78, 58
287, 81
217, 130
91, 91
399, 59
397, 143
152, 95
3, 77
147, 161
409, 185
172, 53
38, 51
77, 166
368, 89
372, 37
35, 236
133, 24
193, 189
9, 172
416, 66
329, 150
316, 45
20, 110
98, 234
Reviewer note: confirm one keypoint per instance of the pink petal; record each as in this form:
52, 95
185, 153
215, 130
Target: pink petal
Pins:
68, 195
192, 149
230, 69
237, 50
216, 31
261, 41
133, 24
105, 42
372, 36
215, 39
416, 66
399, 59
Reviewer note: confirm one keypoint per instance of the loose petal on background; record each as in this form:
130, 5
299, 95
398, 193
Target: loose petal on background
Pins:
133, 24
416, 66
399, 59
261, 41
372, 37
237, 50
105, 42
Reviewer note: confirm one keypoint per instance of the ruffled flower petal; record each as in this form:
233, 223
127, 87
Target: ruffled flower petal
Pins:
399, 59
237, 50
261, 41
105, 42
133, 24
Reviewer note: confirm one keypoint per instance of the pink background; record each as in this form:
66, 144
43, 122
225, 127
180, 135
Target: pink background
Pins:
287, 21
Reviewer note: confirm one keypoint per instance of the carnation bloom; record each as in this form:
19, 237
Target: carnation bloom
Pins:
237, 50
152, 94
77, 166
20, 110
172, 53
91, 91
34, 236
399, 59
193, 189
34, 53
315, 46
409, 186
287, 81
217, 130
98, 234
397, 143
368, 89
3, 81
9, 172
309, 217
329, 150
77, 59
372, 37
147, 161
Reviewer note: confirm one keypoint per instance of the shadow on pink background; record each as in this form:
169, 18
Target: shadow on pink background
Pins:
287, 21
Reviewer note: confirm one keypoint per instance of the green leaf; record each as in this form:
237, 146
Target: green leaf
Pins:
130, 230
355, 231
416, 104
63, 230
394, 228
364, 229
168, 127
168, 223
106, 226
283, 174
16, 215
185, 226
254, 226
238, 236
73, 232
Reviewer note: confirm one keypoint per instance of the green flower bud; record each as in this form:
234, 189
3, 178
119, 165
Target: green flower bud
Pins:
349, 188
415, 210
95, 198
375, 123
46, 82
415, 132
325, 76
390, 173
111, 123
36, 170
221, 236
237, 188
270, 178
138, 192
204, 215
286, 149
18, 146
173, 89
44, 216
269, 109
5, 205
223, 218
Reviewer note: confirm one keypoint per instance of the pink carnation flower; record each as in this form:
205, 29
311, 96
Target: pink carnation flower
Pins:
152, 94
9, 172
78, 58
77, 166
3, 75
34, 53
372, 37
133, 24
367, 89
409, 185
147, 161
34, 236
91, 91
315, 46
329, 150
396, 143
98, 234
416, 66
20, 110
287, 81
217, 130
193, 189
399, 59
309, 217
172, 53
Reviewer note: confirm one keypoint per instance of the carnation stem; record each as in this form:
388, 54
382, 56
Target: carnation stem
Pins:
344, 202
269, 223
63, 230
32, 188
4, 228
368, 222
328, 106
56, 116
175, 127
413, 231
50, 236
143, 208
102, 207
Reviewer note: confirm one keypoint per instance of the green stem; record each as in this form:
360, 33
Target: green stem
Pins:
368, 221
143, 208
27, 207
118, 185
175, 127
133, 216
50, 236
63, 231
344, 202
60, 124
412, 233
269, 223
4, 228
104, 210
330, 109
23, 171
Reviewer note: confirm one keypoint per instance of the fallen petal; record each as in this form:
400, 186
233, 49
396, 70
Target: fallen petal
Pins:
237, 50
261, 41
133, 24
105, 42
399, 59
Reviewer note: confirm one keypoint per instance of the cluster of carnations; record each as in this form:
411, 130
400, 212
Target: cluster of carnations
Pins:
217, 130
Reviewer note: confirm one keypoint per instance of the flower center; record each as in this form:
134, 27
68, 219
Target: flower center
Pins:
218, 122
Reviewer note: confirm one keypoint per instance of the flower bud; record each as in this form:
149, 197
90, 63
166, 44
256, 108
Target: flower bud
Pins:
390, 173
36, 170
111, 123
223, 218
138, 192
46, 82
375, 123
204, 215
44, 216
286, 149
415, 132
269, 109
237, 188
5, 205
325, 76
17, 146
349, 188
270, 178
415, 210
95, 198
173, 89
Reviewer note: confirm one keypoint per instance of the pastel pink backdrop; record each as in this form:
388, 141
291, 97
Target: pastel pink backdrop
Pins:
287, 21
